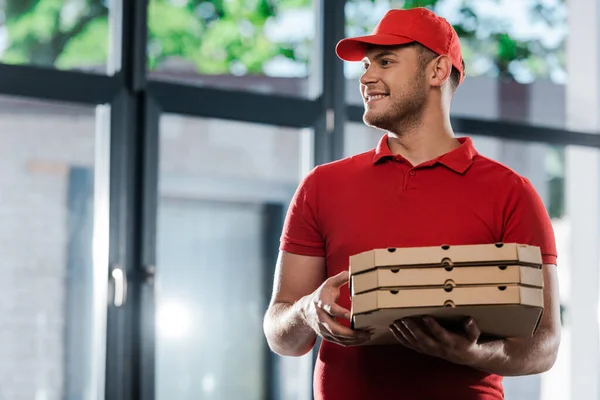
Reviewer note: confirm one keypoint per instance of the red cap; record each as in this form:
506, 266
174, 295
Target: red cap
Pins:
406, 26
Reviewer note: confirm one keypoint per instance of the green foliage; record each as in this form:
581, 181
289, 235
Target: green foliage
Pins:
419, 3
88, 49
217, 36
172, 31
230, 36
509, 50
40, 30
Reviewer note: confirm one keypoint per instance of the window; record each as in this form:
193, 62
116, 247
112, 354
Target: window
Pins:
224, 187
521, 40
71, 34
51, 326
250, 45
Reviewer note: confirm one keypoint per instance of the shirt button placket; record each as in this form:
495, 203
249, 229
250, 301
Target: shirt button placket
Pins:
411, 180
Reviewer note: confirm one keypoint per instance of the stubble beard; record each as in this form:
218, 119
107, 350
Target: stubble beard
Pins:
403, 114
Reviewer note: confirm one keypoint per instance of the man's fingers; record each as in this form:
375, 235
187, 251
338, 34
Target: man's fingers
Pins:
334, 309
400, 337
396, 333
408, 335
340, 279
472, 330
422, 338
338, 330
342, 341
437, 331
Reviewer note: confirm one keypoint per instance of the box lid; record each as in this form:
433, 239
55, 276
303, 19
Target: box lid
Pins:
395, 277
446, 297
446, 255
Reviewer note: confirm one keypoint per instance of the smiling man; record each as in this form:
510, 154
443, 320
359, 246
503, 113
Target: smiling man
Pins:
421, 186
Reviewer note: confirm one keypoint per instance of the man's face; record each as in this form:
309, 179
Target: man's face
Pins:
393, 86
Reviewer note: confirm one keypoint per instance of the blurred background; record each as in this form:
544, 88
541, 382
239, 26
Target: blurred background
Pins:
149, 150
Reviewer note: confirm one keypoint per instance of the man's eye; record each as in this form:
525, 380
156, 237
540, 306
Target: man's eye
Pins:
385, 62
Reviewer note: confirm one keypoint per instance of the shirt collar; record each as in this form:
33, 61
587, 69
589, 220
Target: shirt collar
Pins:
459, 159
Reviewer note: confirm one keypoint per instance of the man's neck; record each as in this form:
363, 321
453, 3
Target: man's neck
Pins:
425, 141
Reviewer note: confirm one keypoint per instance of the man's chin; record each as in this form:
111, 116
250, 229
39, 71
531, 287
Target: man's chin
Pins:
375, 121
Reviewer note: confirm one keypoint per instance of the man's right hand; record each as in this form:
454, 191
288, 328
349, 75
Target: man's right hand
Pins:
320, 308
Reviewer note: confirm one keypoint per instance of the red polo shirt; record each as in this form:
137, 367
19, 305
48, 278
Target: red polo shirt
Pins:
378, 200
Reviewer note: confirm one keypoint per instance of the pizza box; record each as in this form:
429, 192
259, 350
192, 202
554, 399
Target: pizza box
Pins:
446, 255
394, 277
499, 311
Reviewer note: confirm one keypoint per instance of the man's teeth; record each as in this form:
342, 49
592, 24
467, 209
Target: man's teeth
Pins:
379, 96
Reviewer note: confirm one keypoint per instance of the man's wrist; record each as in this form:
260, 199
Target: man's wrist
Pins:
487, 354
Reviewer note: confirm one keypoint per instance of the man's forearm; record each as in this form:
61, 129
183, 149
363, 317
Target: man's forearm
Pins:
286, 331
515, 357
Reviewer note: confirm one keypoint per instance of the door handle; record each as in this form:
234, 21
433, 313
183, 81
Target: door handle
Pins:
120, 285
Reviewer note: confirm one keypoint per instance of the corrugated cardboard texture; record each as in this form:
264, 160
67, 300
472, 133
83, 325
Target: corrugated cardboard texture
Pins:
393, 277
504, 311
479, 254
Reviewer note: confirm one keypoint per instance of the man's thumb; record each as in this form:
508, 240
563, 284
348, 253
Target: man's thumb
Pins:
340, 279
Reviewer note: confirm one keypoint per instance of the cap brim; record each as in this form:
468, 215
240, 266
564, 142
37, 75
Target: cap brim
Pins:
353, 49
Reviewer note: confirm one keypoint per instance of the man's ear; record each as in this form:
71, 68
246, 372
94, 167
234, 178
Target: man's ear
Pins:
439, 70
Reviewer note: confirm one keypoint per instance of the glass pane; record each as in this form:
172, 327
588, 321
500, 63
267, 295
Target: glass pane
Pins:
70, 35
503, 41
522, 40
223, 190
50, 338
239, 44
554, 172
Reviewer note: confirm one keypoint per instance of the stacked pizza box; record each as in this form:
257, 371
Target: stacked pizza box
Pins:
500, 285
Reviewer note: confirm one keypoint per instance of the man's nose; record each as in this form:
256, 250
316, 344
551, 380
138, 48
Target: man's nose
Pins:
369, 76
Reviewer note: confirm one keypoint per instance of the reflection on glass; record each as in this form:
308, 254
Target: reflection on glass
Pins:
516, 39
59, 34
223, 188
47, 287
253, 45
174, 320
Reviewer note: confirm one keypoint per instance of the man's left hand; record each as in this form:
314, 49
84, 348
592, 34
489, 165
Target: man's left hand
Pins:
425, 335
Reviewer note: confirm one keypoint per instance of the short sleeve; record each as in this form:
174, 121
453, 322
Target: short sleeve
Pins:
526, 220
301, 233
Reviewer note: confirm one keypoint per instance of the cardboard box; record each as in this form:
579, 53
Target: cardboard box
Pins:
500, 311
396, 277
479, 254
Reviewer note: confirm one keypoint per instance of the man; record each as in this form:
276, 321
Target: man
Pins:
421, 186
